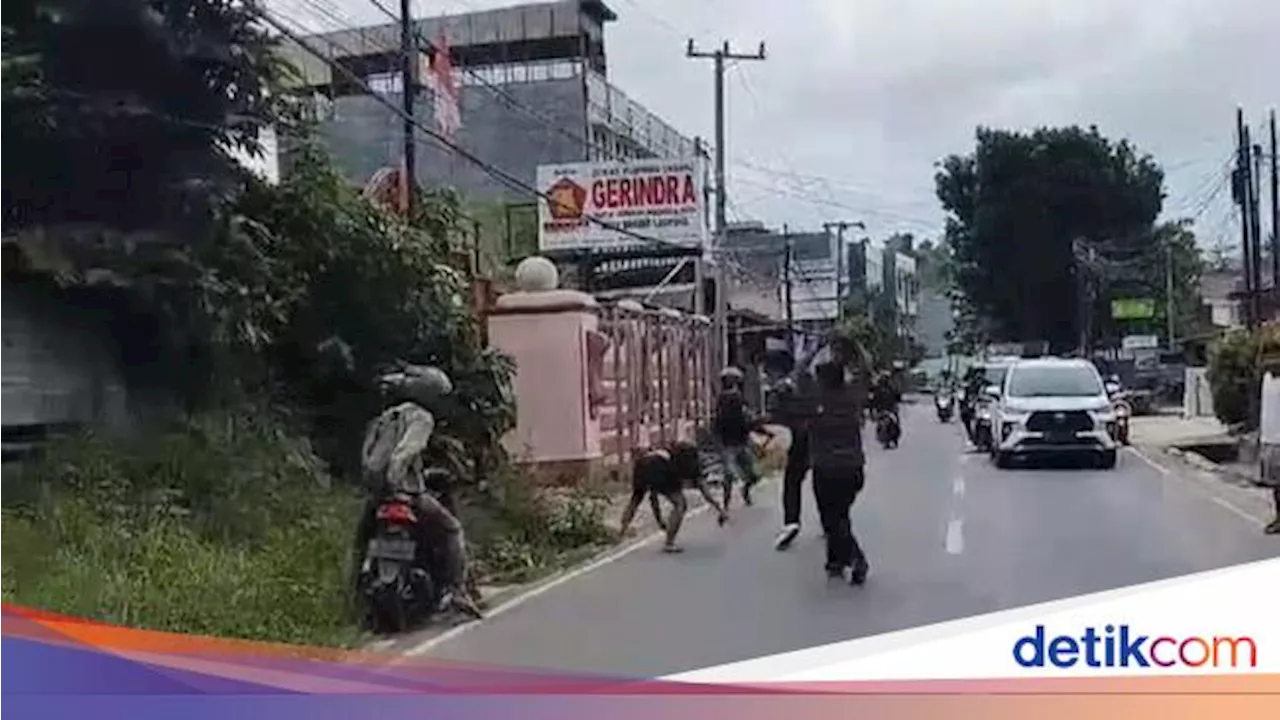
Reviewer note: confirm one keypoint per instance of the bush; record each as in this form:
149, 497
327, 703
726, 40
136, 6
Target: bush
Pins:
222, 526
1234, 375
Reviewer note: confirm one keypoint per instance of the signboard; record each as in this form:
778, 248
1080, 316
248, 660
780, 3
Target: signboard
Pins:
598, 206
814, 290
1133, 309
1139, 342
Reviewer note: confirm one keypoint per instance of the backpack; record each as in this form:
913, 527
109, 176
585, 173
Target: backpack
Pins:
392, 442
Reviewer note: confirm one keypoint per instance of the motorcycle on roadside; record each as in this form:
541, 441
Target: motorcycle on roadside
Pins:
397, 579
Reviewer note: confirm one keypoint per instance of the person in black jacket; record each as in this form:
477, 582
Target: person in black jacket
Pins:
838, 469
666, 472
792, 409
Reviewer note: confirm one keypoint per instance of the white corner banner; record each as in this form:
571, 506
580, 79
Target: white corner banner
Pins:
1213, 623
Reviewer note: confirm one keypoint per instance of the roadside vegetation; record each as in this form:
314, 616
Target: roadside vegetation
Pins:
260, 312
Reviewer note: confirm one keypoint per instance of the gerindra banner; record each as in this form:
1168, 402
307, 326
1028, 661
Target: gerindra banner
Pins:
591, 206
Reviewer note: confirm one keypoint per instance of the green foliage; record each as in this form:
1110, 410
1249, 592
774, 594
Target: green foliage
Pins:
125, 113
1234, 373
223, 525
1018, 202
1145, 274
311, 264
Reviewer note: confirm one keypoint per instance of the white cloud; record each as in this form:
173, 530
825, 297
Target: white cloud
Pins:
870, 93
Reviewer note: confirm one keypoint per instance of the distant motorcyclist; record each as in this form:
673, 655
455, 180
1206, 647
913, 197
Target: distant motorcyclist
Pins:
970, 392
393, 461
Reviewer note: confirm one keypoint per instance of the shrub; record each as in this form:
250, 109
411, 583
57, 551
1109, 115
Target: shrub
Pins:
223, 525
1234, 375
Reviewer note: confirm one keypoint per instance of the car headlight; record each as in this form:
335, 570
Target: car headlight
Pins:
1014, 418
1102, 417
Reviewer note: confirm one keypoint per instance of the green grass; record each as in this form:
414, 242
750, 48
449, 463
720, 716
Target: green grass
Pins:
229, 526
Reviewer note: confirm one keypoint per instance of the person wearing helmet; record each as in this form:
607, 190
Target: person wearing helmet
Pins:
393, 459
734, 424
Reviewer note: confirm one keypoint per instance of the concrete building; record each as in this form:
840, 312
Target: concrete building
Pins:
534, 90
1217, 292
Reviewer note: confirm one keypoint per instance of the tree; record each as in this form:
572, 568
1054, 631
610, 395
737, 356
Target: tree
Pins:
124, 114
1016, 205
1170, 249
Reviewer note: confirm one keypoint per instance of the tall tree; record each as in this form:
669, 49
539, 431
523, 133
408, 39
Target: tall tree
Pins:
1016, 204
124, 114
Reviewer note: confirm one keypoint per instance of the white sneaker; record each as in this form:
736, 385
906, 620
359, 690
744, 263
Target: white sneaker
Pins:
787, 536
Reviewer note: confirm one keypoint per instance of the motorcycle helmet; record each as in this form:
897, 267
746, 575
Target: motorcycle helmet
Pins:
731, 377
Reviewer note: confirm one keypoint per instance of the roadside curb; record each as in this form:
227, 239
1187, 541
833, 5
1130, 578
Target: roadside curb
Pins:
1228, 475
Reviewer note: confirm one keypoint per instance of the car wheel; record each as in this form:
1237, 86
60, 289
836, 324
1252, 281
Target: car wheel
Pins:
1003, 460
1107, 459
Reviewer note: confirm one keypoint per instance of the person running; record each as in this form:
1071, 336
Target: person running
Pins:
792, 411
665, 471
734, 423
838, 469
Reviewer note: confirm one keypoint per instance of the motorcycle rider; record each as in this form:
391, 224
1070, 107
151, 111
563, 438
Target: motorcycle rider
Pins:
884, 395
393, 460
734, 424
973, 385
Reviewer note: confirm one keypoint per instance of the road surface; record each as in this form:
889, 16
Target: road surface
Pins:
948, 536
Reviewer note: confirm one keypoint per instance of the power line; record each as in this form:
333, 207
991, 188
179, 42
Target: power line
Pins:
492, 170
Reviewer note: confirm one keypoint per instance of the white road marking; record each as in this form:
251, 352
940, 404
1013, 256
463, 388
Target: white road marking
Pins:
957, 486
1221, 502
427, 645
955, 536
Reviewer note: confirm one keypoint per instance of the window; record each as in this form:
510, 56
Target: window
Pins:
994, 374
1055, 381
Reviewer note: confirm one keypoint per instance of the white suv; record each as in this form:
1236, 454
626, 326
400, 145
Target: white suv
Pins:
1050, 405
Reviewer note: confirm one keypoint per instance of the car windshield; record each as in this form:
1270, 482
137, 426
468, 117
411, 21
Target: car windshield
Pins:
1064, 381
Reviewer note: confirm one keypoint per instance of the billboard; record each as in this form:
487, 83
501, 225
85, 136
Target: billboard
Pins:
604, 205
1133, 308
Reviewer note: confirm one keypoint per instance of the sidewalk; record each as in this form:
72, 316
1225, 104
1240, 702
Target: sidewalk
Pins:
1167, 430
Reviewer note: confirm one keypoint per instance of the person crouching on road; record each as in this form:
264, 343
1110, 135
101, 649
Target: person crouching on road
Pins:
838, 469
734, 424
665, 472
792, 411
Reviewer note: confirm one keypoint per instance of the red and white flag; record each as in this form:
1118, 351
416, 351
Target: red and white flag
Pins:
442, 82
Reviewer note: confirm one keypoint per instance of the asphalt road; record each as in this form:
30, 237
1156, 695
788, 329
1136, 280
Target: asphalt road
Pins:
947, 534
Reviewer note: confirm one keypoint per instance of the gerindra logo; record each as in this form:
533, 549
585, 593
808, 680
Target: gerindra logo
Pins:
1119, 646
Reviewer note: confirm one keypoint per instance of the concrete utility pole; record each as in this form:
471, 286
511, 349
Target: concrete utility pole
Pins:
788, 308
722, 295
1275, 207
1242, 190
841, 268
408, 88
1169, 308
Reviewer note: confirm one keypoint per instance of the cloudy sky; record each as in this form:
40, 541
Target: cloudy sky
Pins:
859, 98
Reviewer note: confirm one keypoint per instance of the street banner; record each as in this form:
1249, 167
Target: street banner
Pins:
1133, 309
612, 205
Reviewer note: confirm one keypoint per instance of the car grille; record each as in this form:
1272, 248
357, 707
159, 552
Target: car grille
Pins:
1060, 422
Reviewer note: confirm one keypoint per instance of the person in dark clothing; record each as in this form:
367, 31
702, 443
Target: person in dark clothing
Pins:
838, 469
792, 411
734, 423
665, 472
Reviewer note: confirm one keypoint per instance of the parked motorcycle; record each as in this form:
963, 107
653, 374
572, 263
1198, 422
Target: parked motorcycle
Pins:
397, 576
888, 429
945, 405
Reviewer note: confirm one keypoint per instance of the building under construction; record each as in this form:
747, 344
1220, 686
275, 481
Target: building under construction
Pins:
534, 90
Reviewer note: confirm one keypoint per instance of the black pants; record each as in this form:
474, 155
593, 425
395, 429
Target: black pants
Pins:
793, 477
836, 488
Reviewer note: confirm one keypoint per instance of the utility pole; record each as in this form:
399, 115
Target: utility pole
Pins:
1242, 189
841, 268
1275, 208
699, 263
1169, 309
720, 323
788, 309
409, 88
